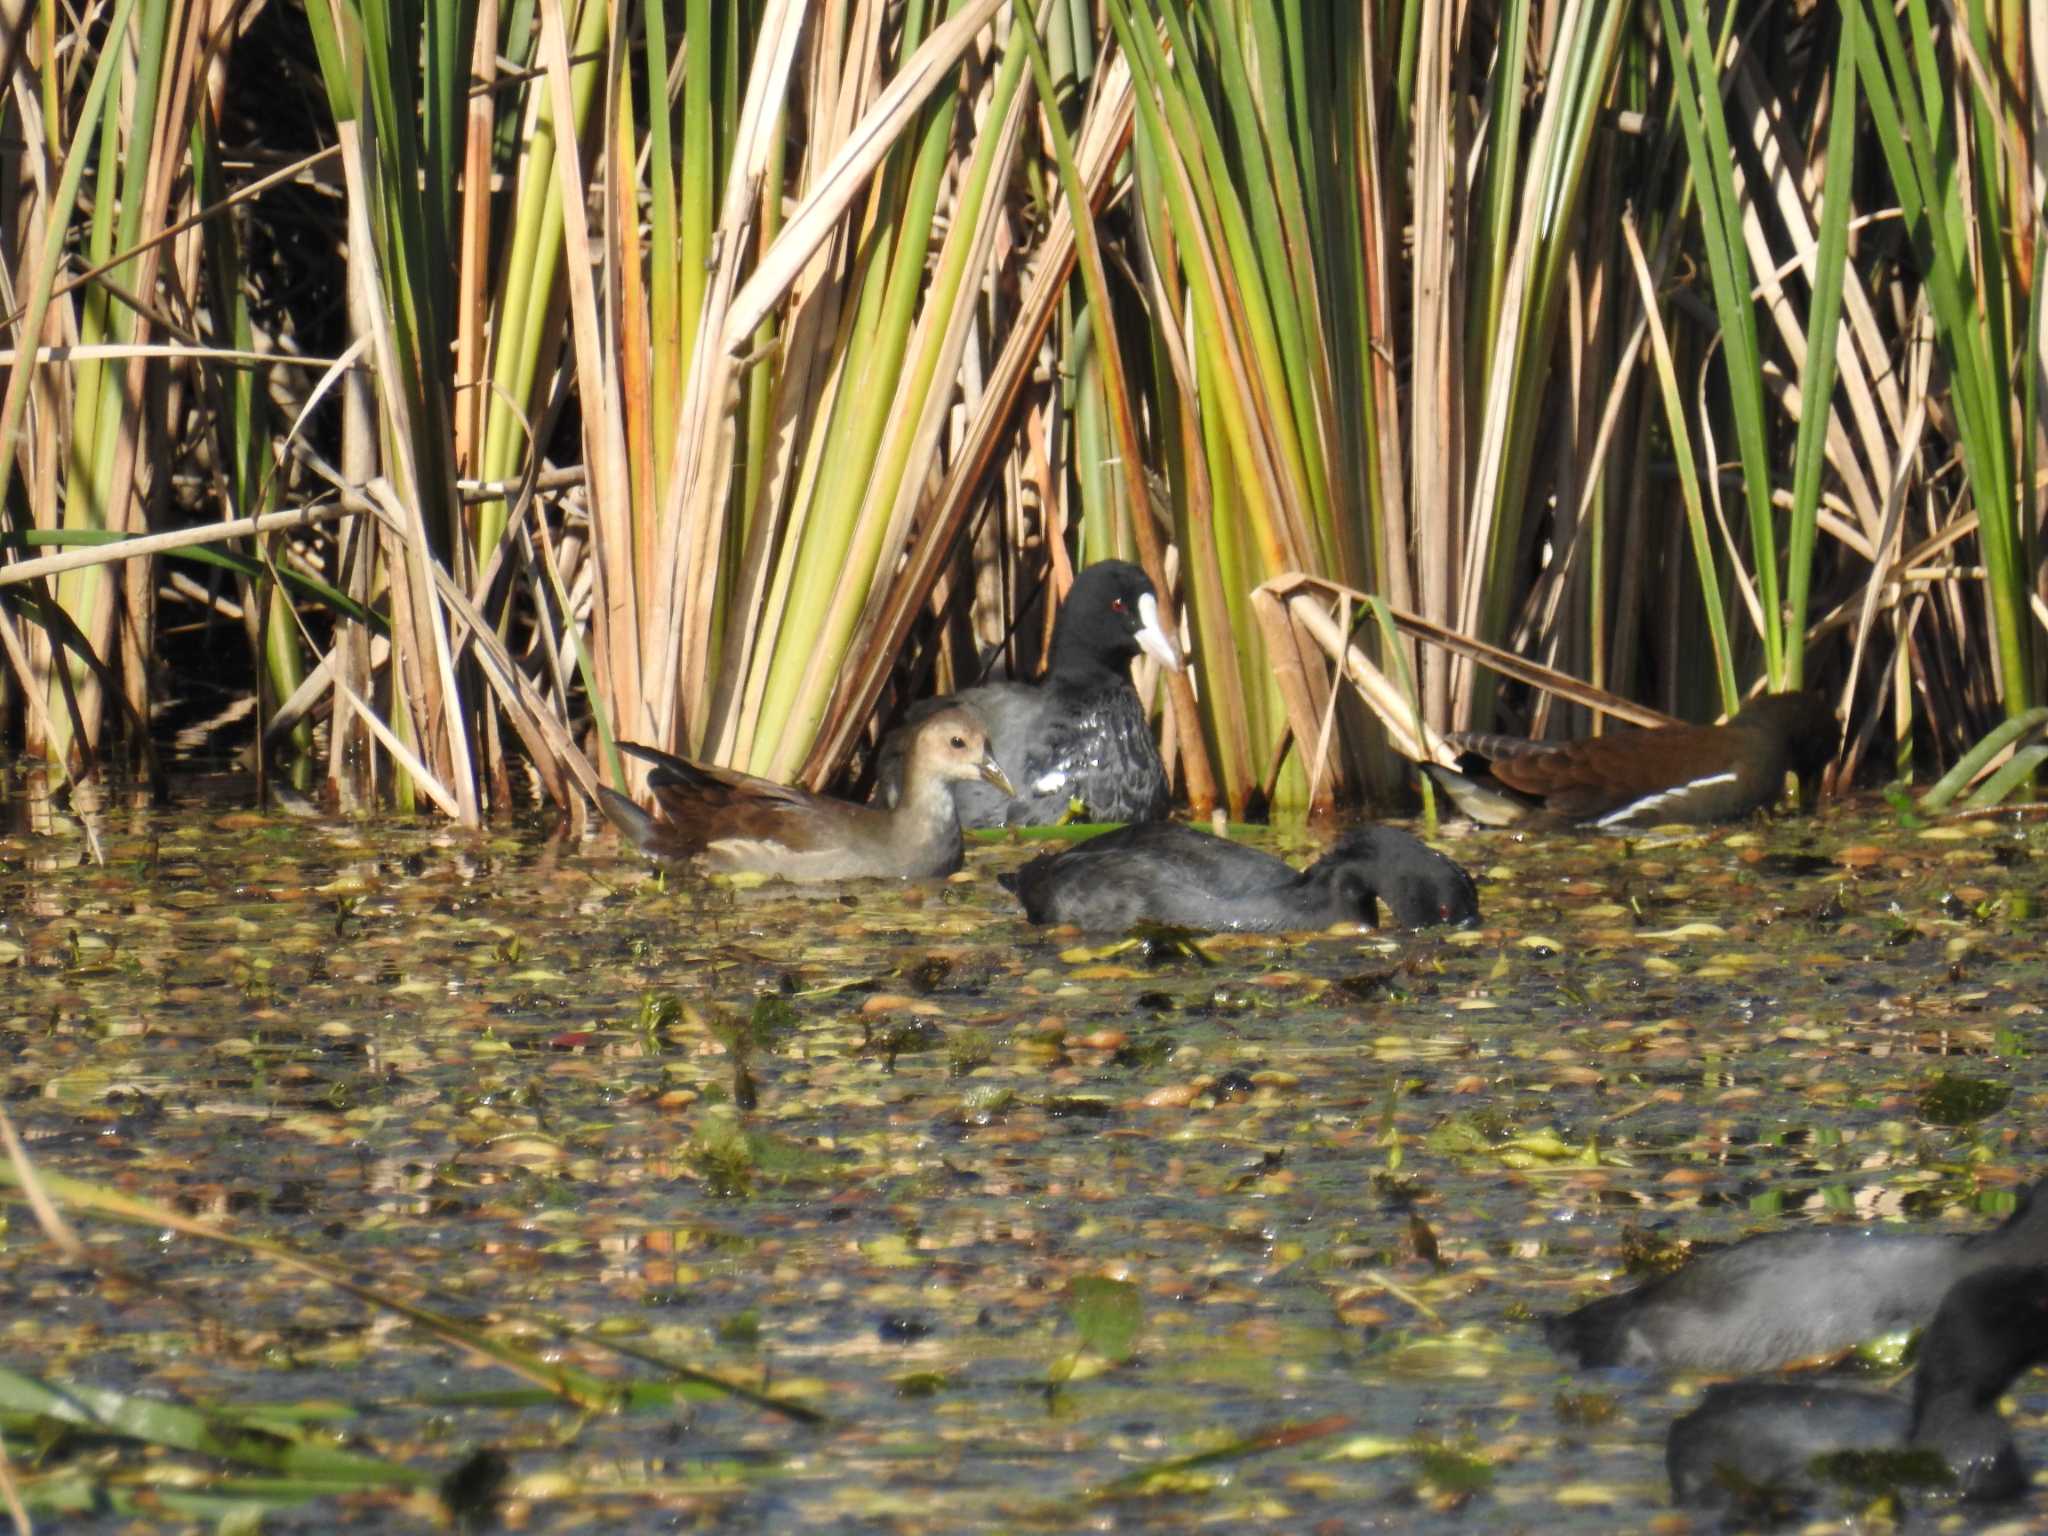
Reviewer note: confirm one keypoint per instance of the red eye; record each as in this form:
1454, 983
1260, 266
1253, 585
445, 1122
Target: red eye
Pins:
1116, 605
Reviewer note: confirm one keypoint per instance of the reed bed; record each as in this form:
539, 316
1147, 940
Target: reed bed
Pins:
471, 385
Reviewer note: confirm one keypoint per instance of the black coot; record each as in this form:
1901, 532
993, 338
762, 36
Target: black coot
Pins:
1165, 872
1079, 733
1791, 1296
1753, 1442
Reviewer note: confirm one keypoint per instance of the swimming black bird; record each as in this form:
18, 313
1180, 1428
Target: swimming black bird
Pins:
1166, 872
1789, 1296
1758, 1441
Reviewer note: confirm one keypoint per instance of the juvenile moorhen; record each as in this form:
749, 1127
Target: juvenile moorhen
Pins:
1079, 733
1753, 1440
1165, 872
734, 823
1789, 1296
1675, 773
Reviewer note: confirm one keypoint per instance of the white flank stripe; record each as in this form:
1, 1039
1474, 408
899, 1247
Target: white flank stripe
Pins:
1663, 797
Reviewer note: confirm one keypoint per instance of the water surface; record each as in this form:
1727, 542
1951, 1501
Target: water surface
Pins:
1343, 1174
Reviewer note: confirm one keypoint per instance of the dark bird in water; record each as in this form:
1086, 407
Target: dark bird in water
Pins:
1165, 872
1784, 1297
1079, 733
1756, 1443
734, 822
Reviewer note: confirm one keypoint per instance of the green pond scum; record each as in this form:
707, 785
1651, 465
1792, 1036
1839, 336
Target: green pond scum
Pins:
401, 1179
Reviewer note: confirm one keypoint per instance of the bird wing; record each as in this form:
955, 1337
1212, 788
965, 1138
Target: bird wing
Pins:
1096, 747
704, 805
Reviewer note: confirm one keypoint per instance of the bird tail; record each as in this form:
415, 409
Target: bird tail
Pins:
1484, 803
1493, 746
636, 825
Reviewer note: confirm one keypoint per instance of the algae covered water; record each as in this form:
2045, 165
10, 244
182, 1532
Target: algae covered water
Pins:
985, 1227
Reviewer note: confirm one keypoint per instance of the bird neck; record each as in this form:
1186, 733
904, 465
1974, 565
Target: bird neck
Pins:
1955, 1383
1076, 663
926, 809
2024, 1237
1937, 1409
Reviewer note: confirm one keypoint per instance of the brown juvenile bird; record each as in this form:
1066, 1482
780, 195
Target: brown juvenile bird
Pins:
735, 823
1674, 773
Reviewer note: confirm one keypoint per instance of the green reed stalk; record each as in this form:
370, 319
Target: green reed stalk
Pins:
1697, 90
1930, 160
1817, 377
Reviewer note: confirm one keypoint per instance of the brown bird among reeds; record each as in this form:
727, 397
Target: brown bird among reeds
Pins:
1641, 778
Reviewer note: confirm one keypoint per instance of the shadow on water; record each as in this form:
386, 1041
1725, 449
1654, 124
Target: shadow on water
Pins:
856, 1148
